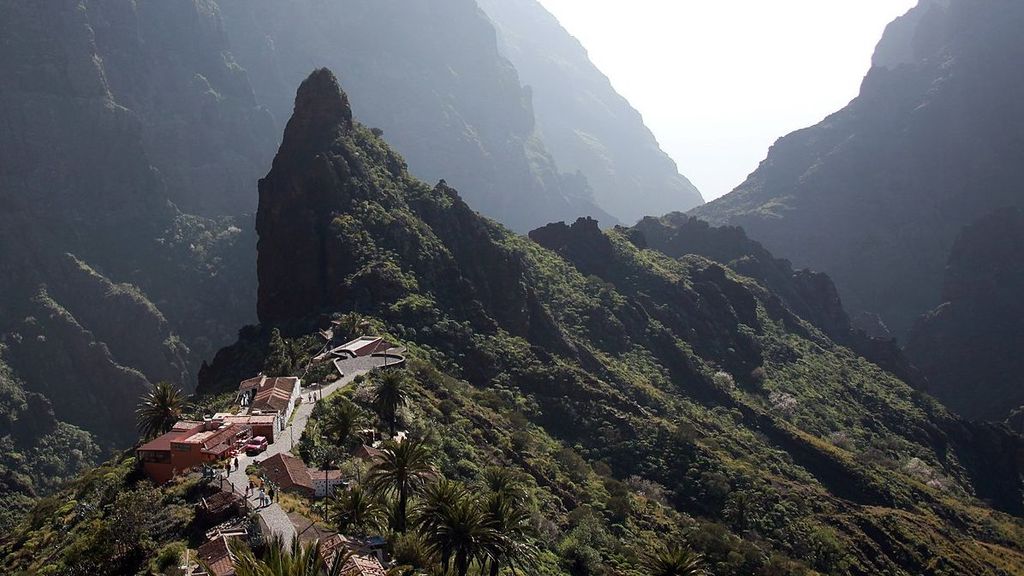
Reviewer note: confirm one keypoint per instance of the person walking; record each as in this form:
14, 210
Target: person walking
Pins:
236, 462
273, 494
263, 498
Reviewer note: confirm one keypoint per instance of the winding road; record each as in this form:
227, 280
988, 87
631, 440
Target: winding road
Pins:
274, 519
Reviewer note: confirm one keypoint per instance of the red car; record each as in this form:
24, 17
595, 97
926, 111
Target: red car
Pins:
256, 445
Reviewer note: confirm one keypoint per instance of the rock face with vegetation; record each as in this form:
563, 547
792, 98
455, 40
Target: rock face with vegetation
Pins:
877, 193
810, 295
133, 134
586, 125
115, 115
969, 347
776, 450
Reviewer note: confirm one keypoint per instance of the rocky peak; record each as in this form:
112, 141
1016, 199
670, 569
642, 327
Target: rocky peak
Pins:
582, 243
298, 200
322, 113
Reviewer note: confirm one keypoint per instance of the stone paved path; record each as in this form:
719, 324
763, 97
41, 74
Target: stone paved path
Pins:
274, 518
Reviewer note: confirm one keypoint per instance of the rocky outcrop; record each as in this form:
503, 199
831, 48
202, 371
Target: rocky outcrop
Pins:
429, 74
337, 207
877, 193
585, 124
969, 347
810, 295
299, 199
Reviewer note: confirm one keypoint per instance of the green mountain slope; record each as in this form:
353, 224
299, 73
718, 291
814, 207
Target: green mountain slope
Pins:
133, 133
38, 453
676, 370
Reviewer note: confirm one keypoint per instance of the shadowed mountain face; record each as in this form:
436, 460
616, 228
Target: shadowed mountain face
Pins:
586, 125
877, 193
112, 115
106, 286
969, 347
678, 370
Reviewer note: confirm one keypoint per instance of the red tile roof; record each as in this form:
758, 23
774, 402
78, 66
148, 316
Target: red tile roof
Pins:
221, 502
365, 452
274, 394
362, 566
287, 472
163, 443
216, 555
357, 565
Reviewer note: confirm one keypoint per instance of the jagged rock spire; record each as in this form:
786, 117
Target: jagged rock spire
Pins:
298, 200
322, 112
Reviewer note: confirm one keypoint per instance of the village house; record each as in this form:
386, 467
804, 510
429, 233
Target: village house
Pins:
266, 425
189, 445
292, 475
220, 507
362, 346
364, 561
263, 396
367, 453
217, 558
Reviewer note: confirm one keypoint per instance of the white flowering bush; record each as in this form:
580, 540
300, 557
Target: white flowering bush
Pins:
783, 402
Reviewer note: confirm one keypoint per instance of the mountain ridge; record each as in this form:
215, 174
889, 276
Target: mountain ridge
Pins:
608, 343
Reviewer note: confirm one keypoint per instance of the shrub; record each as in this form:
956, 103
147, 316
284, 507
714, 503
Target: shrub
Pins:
168, 557
724, 380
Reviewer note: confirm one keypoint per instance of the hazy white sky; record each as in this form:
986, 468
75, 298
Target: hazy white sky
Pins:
718, 81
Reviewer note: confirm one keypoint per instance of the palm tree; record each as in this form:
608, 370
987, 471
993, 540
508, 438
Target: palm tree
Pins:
354, 510
435, 502
510, 546
281, 560
340, 421
410, 553
159, 410
505, 481
675, 560
462, 534
401, 470
391, 394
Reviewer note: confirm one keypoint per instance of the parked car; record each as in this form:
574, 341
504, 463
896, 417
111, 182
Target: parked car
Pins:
255, 446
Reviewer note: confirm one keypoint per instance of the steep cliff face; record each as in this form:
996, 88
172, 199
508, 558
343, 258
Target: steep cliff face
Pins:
111, 113
300, 198
678, 370
586, 125
969, 347
430, 75
877, 193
